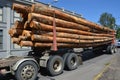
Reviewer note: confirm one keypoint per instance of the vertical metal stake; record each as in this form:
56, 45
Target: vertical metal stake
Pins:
54, 46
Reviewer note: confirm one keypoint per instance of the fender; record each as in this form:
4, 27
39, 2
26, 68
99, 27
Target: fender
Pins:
16, 65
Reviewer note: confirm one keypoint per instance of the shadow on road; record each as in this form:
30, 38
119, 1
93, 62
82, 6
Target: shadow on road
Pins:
89, 54
7, 77
86, 55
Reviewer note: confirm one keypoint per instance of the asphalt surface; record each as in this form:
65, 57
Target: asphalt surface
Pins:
92, 65
112, 71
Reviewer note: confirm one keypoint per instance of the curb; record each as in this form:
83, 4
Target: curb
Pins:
98, 76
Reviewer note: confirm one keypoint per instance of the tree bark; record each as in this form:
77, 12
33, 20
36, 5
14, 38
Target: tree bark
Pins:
64, 40
27, 33
72, 36
37, 8
63, 45
15, 32
44, 27
19, 24
15, 40
19, 8
36, 30
49, 20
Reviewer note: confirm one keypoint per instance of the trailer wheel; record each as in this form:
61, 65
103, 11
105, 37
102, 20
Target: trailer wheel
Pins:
115, 49
27, 70
72, 61
65, 56
55, 65
110, 49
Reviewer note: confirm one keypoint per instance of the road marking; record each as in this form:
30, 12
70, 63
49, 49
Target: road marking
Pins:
104, 70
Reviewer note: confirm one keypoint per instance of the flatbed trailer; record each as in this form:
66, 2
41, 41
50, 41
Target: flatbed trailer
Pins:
26, 68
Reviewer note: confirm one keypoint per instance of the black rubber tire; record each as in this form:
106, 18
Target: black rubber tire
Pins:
110, 49
30, 64
65, 56
57, 63
75, 59
115, 49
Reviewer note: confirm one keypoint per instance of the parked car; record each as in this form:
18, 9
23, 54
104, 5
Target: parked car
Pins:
117, 43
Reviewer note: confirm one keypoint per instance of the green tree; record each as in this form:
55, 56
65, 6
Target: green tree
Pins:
107, 20
118, 33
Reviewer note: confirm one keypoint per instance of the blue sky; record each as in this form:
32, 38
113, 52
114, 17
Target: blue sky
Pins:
90, 9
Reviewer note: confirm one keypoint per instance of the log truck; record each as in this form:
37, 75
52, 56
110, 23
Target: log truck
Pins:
53, 36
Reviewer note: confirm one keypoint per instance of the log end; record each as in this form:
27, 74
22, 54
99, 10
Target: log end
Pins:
26, 43
15, 40
33, 7
13, 6
26, 25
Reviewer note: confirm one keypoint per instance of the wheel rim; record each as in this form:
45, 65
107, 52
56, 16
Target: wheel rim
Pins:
57, 66
27, 72
73, 61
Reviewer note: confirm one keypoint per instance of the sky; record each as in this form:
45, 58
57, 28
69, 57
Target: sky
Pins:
90, 9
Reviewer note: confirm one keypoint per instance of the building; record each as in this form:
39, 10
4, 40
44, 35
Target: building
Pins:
7, 19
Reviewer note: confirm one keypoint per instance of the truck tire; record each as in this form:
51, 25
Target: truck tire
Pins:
72, 61
115, 49
65, 56
110, 49
55, 65
27, 70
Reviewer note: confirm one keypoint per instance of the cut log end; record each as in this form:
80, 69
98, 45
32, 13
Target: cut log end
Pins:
33, 7
26, 43
15, 40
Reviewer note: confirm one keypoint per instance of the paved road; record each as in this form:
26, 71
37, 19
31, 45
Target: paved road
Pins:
112, 71
88, 70
92, 65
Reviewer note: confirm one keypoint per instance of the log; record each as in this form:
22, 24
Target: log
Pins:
44, 27
15, 40
44, 45
69, 45
26, 43
27, 33
27, 25
19, 24
72, 36
49, 20
46, 38
23, 38
24, 16
22, 9
19, 8
13, 32
38, 8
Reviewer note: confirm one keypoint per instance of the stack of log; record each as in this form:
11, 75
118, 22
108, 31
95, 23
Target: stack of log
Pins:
36, 28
